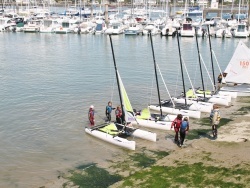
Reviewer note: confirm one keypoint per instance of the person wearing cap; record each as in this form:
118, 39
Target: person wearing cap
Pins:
91, 115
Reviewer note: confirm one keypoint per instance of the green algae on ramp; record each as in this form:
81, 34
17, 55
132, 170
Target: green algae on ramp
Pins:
204, 132
92, 176
188, 175
242, 111
144, 159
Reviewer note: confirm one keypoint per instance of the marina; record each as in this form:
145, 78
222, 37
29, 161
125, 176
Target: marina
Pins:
48, 82
138, 18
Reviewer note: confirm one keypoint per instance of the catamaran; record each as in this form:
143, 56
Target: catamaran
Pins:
114, 132
169, 106
146, 118
236, 75
205, 98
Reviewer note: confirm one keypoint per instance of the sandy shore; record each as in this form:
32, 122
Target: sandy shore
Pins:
232, 147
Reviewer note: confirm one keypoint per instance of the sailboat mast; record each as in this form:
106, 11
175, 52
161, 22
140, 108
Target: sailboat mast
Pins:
118, 83
198, 49
183, 82
211, 54
156, 77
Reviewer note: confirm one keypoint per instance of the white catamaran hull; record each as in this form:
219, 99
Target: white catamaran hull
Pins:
163, 125
218, 97
242, 90
138, 133
228, 93
116, 140
219, 101
169, 110
147, 135
169, 117
200, 106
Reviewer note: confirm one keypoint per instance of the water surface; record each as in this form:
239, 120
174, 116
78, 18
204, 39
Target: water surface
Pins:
49, 81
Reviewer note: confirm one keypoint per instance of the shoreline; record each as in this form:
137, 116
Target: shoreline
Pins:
229, 150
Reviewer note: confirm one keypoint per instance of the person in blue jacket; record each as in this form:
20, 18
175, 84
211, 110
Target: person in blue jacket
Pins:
108, 111
183, 130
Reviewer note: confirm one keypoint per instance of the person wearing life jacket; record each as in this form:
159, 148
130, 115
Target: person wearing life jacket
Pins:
118, 114
177, 124
183, 130
91, 115
215, 119
108, 111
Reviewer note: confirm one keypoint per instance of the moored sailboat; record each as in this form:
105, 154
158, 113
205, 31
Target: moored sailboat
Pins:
236, 74
169, 106
115, 132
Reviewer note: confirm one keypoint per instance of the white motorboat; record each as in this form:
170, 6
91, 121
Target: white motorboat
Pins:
100, 27
64, 28
6, 24
187, 30
116, 28
240, 31
133, 29
153, 28
49, 26
33, 26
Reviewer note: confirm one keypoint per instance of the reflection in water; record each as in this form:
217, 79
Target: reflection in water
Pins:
49, 81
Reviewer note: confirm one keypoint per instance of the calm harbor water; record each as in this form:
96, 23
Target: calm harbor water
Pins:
49, 81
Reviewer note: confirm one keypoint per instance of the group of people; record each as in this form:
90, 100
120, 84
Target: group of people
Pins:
180, 124
108, 112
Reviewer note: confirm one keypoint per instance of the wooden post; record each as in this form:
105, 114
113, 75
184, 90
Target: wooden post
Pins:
248, 16
91, 14
170, 10
106, 13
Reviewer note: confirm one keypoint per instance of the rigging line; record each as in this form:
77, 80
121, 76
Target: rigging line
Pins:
217, 62
211, 55
196, 70
165, 85
117, 79
156, 77
113, 88
151, 88
110, 80
177, 80
198, 50
182, 76
207, 71
223, 79
189, 78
